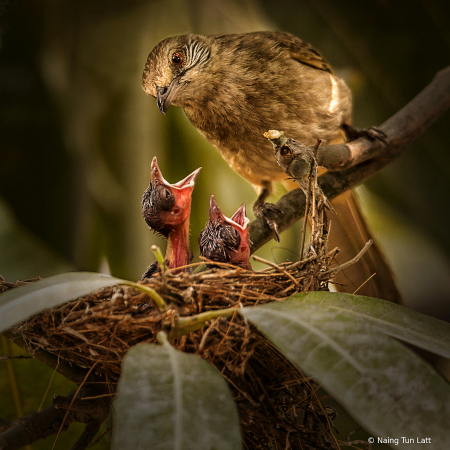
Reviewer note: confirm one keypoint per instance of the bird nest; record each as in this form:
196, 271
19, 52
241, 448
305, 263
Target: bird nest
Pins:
276, 402
278, 406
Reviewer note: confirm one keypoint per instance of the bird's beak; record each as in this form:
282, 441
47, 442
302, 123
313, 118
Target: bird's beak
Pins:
189, 181
181, 189
215, 212
156, 173
166, 94
240, 218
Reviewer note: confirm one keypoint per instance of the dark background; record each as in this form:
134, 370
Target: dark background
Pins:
77, 133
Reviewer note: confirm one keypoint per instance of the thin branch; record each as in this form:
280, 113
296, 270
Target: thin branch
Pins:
49, 386
7, 357
71, 403
30, 428
362, 158
368, 279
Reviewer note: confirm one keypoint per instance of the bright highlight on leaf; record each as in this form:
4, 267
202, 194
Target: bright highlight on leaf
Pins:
345, 343
172, 400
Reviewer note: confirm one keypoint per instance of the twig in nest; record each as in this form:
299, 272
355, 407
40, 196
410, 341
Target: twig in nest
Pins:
334, 270
280, 269
368, 279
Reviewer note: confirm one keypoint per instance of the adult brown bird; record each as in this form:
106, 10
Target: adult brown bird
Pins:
166, 209
235, 87
225, 239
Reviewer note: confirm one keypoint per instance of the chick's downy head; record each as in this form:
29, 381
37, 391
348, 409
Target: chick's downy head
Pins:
226, 239
167, 206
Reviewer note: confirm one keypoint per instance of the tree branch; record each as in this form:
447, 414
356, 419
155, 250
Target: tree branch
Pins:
39, 425
351, 164
401, 129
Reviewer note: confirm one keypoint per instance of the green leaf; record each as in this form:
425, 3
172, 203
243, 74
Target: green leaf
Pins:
24, 301
394, 320
345, 343
172, 400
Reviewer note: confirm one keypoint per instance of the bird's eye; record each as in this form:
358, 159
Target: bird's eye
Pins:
232, 237
237, 239
177, 58
166, 198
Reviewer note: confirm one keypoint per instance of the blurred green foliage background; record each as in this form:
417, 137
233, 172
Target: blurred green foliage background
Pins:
77, 133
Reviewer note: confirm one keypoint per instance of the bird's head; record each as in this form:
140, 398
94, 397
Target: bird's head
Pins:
226, 239
172, 65
167, 206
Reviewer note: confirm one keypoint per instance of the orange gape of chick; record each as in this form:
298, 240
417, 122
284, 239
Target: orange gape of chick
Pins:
235, 87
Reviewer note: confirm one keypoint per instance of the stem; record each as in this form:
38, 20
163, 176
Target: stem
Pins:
159, 257
158, 300
161, 337
185, 325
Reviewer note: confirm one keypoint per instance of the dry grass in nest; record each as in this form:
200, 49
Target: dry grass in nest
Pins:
275, 400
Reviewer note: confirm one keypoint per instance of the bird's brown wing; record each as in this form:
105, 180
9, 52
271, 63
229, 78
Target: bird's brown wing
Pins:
301, 51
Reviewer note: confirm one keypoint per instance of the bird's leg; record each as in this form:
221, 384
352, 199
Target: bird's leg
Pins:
352, 133
268, 212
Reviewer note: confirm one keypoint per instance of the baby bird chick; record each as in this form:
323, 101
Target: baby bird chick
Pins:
166, 209
226, 239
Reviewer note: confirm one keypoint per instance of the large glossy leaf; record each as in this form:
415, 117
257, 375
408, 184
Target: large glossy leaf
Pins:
405, 324
24, 301
173, 401
346, 344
